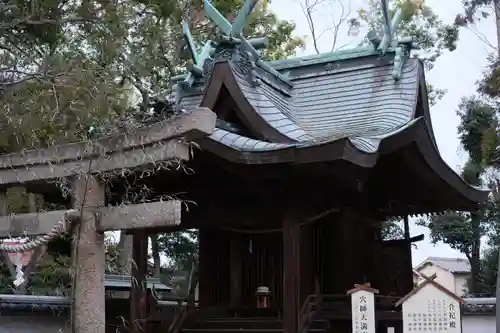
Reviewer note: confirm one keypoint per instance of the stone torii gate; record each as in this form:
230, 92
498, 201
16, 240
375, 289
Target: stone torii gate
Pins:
81, 165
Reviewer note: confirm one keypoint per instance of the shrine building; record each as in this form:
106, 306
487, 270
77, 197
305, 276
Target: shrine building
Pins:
310, 155
290, 169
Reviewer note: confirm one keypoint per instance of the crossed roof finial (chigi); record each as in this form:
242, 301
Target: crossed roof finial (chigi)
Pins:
231, 33
234, 30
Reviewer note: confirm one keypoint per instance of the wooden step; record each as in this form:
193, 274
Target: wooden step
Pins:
262, 325
236, 330
249, 323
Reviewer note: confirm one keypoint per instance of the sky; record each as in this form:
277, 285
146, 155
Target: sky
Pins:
456, 71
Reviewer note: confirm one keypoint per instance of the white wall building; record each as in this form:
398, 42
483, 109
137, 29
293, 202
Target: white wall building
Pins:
479, 315
451, 273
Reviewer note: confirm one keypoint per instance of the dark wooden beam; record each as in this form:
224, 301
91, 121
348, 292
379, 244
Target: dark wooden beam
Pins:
410, 240
291, 272
406, 227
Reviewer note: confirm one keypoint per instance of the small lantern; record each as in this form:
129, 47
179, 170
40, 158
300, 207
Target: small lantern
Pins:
262, 295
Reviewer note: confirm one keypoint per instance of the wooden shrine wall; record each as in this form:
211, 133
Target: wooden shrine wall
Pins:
397, 278
312, 258
262, 266
338, 251
260, 259
349, 242
213, 267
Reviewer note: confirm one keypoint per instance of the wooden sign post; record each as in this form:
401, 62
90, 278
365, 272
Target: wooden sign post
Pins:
363, 308
431, 307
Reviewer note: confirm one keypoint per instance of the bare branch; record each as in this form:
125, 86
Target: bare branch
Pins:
310, 7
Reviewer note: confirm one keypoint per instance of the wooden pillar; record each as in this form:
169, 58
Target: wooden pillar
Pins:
125, 255
409, 265
204, 265
4, 255
291, 272
235, 266
406, 227
138, 293
88, 311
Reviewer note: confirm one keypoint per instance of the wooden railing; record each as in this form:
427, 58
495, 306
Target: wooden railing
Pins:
339, 306
178, 321
185, 308
310, 308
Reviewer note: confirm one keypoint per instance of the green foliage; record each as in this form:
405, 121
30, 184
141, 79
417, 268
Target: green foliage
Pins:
493, 211
67, 66
392, 229
112, 256
52, 276
434, 94
489, 269
84, 61
180, 247
263, 23
431, 34
463, 231
454, 229
474, 10
478, 128
6, 286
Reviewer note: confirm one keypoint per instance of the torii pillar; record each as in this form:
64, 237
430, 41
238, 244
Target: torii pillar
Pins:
88, 313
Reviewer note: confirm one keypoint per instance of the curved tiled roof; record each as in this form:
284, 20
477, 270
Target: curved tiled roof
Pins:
364, 105
350, 108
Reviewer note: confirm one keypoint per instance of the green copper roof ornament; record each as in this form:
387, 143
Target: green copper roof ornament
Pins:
197, 59
232, 34
230, 30
402, 47
390, 26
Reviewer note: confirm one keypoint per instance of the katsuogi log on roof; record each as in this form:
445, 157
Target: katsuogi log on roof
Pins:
366, 106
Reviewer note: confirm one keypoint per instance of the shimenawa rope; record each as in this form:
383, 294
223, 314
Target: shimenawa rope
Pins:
56, 230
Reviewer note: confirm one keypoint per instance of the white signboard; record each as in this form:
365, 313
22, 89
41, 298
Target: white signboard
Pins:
363, 311
431, 310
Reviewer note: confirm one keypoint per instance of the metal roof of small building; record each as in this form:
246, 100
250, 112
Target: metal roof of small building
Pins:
112, 281
454, 265
475, 306
42, 303
34, 303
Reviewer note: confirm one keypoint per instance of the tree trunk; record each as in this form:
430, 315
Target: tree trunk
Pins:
156, 255
496, 6
497, 307
125, 256
475, 257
